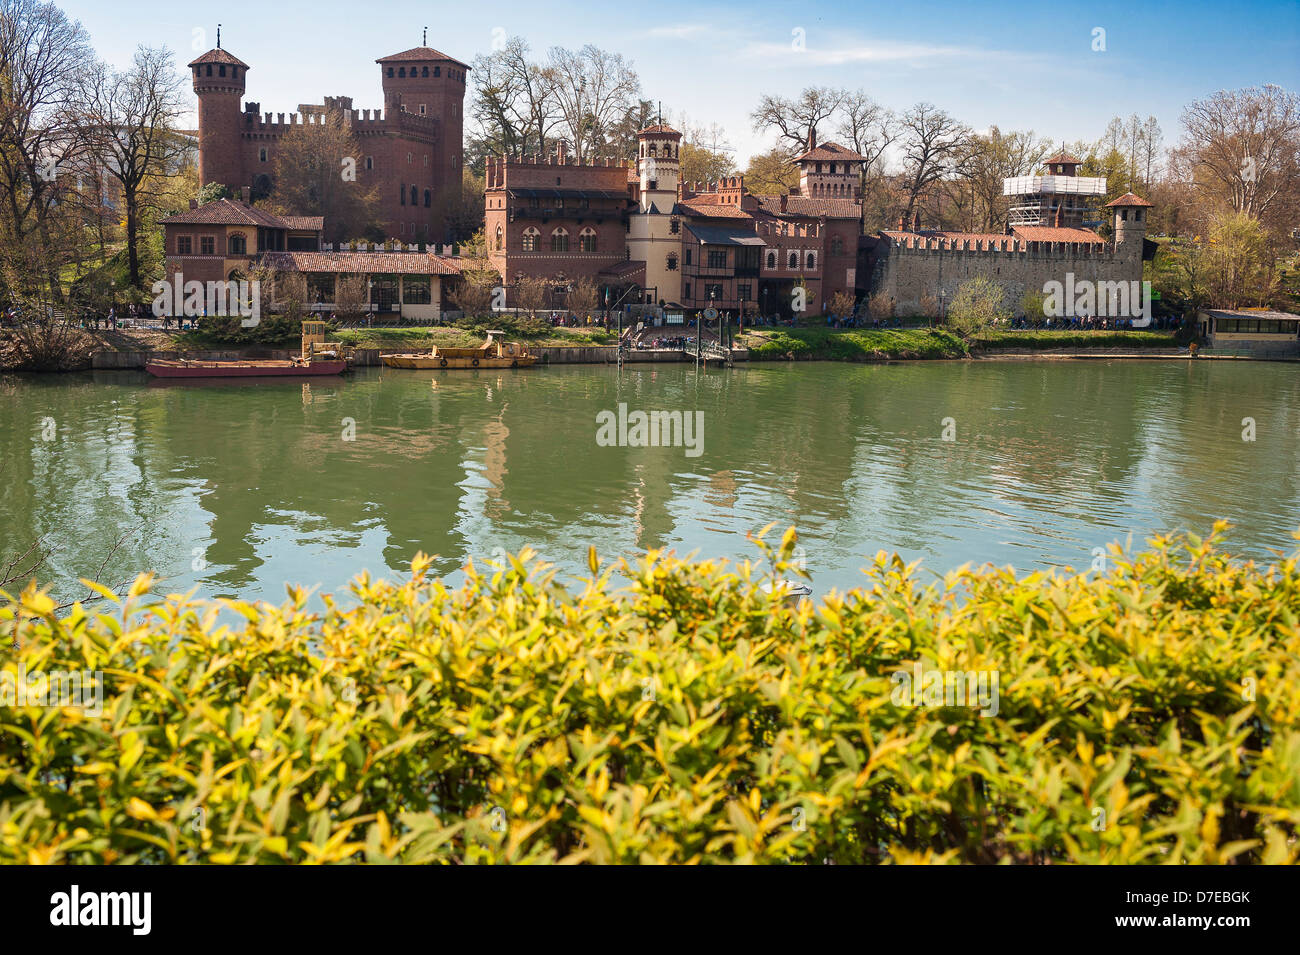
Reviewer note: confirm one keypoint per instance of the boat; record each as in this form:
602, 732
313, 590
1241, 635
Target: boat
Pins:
318, 357
493, 353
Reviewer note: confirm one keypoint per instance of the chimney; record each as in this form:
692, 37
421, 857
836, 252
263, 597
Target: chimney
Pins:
812, 137
902, 223
1058, 215
561, 152
194, 203
243, 194
785, 200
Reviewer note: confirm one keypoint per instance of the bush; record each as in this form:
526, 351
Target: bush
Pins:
1147, 714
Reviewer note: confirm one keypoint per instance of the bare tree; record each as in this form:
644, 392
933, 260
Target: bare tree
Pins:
933, 141
797, 120
130, 124
594, 89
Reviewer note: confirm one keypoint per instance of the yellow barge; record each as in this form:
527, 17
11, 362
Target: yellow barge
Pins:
493, 353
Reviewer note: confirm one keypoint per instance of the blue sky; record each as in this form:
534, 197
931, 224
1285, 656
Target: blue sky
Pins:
1017, 65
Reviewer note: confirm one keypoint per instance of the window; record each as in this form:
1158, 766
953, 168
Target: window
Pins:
184, 245
401, 72
261, 154
424, 72
208, 245
672, 263
422, 109
237, 245
501, 238
743, 292
530, 240
1123, 215
717, 258
559, 241
811, 260
686, 290
688, 256
383, 293
794, 260
415, 290
415, 196
223, 70
428, 198
370, 162
587, 240
771, 260
209, 69
401, 194
408, 159
437, 70
390, 71
674, 225
320, 288
837, 246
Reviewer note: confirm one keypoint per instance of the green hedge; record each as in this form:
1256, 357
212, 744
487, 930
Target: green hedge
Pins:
854, 344
1147, 714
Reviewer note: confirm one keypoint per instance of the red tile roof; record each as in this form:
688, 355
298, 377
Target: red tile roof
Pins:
304, 223
226, 212
662, 128
1062, 158
218, 56
1036, 233
421, 54
369, 263
806, 207
830, 151
709, 207
1128, 199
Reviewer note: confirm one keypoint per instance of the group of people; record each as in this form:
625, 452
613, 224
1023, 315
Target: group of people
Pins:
1094, 323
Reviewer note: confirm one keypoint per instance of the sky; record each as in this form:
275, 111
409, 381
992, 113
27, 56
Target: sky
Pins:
1060, 71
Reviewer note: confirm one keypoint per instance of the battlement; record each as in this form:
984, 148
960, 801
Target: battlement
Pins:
498, 168
999, 246
782, 229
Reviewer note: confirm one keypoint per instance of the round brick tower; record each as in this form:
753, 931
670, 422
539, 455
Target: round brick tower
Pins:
219, 84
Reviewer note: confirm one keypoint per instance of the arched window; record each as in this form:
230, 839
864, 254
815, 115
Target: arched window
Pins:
794, 260
415, 196
501, 235
425, 71
560, 241
771, 260
811, 260
428, 198
402, 72
587, 240
654, 150
837, 246
530, 240
237, 245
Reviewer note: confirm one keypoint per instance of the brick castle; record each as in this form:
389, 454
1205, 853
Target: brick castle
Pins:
411, 149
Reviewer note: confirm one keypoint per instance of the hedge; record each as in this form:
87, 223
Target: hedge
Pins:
1146, 714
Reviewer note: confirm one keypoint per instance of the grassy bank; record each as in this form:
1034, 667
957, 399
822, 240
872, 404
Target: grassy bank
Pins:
457, 337
1147, 714
1064, 339
851, 344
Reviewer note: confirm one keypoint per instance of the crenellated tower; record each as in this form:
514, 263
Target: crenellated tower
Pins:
219, 79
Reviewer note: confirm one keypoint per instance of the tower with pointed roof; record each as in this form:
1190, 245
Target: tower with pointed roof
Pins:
654, 233
1130, 226
219, 79
829, 170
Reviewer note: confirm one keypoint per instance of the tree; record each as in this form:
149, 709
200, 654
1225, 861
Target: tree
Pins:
582, 298
770, 173
1242, 266
130, 122
976, 307
594, 89
1242, 148
932, 142
315, 173
797, 120
531, 293
699, 164
213, 192
982, 163
514, 107
869, 129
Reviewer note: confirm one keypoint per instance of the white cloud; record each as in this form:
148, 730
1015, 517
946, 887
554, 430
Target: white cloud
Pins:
681, 32
881, 51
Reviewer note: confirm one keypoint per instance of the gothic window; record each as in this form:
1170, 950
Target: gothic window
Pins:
401, 194
415, 196
530, 240
794, 260
500, 238
560, 241
811, 260
428, 198
587, 240
674, 225
672, 263
771, 260
261, 154
370, 162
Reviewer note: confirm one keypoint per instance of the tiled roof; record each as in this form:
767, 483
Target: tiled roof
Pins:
1062, 158
624, 269
420, 54
1128, 199
949, 239
707, 207
371, 263
663, 128
226, 212
810, 208
724, 235
218, 56
830, 151
1036, 233
304, 223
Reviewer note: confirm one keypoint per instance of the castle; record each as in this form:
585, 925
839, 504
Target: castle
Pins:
639, 230
411, 149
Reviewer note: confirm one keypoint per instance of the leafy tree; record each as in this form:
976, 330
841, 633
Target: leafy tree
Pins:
214, 192
770, 173
977, 306
316, 174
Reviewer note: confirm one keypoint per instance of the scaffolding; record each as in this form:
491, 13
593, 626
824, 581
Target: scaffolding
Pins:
1037, 200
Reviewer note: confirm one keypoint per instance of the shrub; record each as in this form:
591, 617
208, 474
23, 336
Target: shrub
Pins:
976, 307
689, 717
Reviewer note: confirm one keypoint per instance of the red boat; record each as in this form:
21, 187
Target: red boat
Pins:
318, 358
252, 368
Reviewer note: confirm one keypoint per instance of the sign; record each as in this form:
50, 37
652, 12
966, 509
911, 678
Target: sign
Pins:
674, 318
710, 314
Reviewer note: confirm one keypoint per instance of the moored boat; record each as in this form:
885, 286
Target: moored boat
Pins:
493, 353
318, 357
